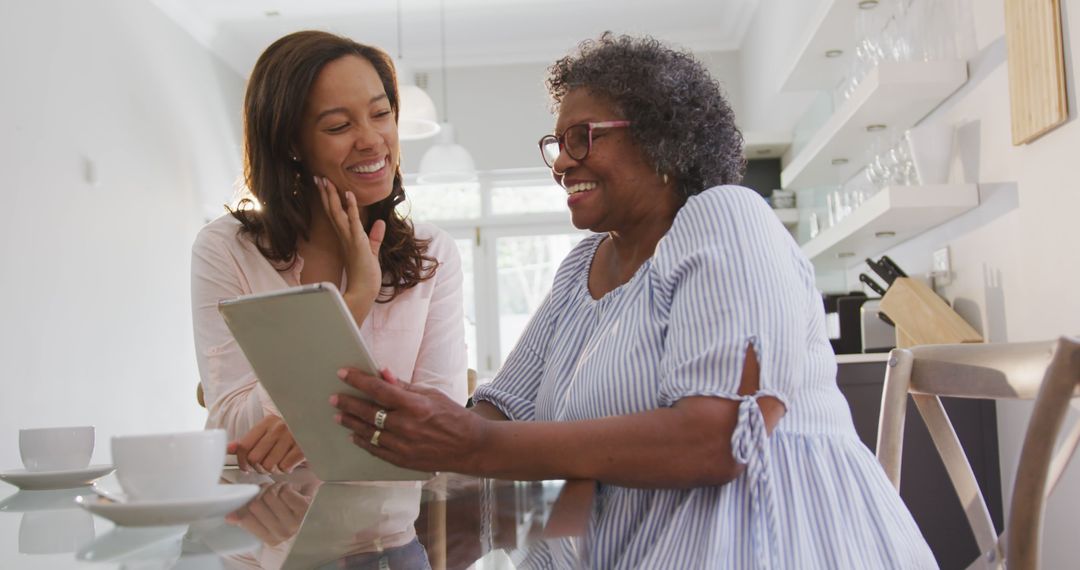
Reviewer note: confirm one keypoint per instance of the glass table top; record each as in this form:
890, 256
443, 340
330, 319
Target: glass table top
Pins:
297, 521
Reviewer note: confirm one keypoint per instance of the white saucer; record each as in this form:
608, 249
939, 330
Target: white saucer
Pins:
225, 499
47, 480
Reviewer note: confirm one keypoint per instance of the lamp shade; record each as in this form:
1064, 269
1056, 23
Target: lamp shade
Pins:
446, 162
417, 119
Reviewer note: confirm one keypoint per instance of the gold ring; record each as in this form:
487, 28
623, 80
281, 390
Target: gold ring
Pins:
380, 418
375, 438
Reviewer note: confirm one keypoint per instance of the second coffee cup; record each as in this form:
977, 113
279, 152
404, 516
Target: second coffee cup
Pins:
169, 466
56, 448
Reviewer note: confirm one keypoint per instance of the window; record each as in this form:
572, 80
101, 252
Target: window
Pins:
513, 230
525, 266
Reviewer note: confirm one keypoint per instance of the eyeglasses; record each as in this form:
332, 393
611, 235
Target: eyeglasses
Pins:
576, 140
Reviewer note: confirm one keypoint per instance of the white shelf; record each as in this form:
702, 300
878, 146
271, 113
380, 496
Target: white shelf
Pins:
788, 216
763, 144
896, 95
887, 219
832, 27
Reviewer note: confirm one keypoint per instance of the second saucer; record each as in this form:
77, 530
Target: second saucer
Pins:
224, 500
49, 480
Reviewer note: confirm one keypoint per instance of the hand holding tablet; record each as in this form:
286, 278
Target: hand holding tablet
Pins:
297, 340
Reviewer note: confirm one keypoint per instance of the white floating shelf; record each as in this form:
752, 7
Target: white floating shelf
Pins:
759, 144
896, 95
888, 218
788, 216
830, 29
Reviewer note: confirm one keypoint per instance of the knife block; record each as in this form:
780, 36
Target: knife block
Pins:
922, 317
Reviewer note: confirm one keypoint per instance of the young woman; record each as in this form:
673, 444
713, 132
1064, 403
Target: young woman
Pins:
321, 160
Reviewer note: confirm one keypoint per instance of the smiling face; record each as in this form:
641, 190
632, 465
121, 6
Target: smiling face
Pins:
615, 187
348, 133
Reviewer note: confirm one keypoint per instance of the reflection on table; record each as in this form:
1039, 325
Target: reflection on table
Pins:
297, 521
449, 522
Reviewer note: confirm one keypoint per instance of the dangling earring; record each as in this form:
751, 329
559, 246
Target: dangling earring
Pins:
296, 187
664, 177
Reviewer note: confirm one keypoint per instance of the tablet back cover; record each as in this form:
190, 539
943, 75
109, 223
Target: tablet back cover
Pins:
296, 340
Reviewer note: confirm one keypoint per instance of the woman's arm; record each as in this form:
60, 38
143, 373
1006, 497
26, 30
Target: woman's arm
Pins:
441, 358
489, 412
686, 445
233, 397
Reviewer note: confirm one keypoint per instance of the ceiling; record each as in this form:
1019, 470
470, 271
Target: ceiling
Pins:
478, 32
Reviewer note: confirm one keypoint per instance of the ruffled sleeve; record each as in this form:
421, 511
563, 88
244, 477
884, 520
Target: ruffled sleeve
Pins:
729, 276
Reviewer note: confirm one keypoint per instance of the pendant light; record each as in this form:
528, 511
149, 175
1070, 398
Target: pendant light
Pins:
446, 162
417, 119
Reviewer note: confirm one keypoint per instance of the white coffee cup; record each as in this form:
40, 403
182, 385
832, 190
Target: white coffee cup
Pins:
169, 466
56, 449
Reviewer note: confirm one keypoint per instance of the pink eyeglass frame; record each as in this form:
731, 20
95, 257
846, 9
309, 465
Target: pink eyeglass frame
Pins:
560, 139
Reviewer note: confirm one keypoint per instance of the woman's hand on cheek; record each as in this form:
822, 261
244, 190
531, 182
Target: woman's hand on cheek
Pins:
361, 248
423, 429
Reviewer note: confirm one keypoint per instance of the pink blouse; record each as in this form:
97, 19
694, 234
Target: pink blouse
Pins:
419, 336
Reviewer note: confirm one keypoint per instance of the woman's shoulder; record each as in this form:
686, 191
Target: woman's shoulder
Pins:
221, 231
429, 231
722, 205
723, 221
440, 243
580, 257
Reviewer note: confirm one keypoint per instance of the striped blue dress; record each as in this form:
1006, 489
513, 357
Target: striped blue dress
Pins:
727, 274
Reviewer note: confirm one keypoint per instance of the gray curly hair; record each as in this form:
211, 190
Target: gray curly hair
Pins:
678, 111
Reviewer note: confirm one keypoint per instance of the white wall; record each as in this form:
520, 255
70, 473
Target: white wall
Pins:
765, 55
1015, 256
499, 112
95, 323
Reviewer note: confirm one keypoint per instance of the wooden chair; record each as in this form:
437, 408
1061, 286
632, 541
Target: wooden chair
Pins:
1047, 372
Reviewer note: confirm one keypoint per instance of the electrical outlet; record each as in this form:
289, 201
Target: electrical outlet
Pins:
941, 265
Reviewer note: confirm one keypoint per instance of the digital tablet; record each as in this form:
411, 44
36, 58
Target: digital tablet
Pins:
296, 340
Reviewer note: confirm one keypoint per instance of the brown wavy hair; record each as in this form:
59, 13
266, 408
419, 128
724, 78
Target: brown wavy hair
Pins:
284, 188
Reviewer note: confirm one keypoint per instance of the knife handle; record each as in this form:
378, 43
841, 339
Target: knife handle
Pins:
882, 270
873, 285
892, 266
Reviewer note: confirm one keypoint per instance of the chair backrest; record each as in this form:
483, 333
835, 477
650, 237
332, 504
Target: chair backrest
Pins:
1048, 372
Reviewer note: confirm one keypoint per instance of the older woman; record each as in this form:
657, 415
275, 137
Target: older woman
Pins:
321, 158
680, 359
